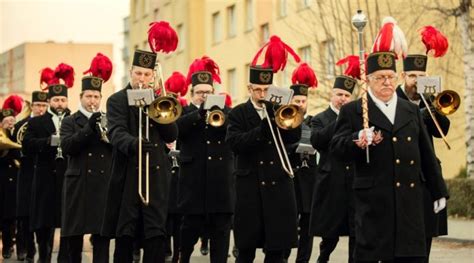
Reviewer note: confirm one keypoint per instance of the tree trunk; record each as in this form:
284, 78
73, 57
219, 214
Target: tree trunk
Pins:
464, 22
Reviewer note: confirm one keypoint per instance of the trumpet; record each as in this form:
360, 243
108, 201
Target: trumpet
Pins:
287, 117
59, 153
102, 125
215, 117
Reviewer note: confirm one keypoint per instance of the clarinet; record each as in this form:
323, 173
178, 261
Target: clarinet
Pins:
59, 153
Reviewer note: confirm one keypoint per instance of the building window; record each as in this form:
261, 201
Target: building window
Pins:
329, 49
181, 37
248, 15
284, 78
232, 82
282, 8
231, 25
305, 54
145, 45
216, 28
136, 8
155, 14
146, 7
265, 33
247, 73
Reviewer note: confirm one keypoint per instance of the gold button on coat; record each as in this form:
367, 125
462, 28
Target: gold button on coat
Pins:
397, 161
398, 184
394, 139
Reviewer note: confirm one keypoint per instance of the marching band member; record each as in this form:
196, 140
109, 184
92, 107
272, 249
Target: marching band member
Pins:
414, 66
126, 217
265, 212
388, 186
206, 186
43, 143
304, 164
25, 238
88, 172
8, 174
332, 212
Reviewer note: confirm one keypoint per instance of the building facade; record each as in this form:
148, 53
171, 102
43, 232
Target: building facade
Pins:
321, 33
20, 67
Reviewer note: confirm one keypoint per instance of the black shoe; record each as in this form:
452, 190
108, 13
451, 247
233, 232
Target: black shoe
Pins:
235, 252
136, 256
29, 260
21, 256
8, 253
204, 249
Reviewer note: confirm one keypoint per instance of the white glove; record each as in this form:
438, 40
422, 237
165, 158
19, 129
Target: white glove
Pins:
369, 134
439, 205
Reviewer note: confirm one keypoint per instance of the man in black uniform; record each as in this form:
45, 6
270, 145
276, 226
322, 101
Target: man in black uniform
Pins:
126, 217
331, 212
25, 237
87, 175
414, 66
388, 190
265, 212
42, 143
9, 164
206, 186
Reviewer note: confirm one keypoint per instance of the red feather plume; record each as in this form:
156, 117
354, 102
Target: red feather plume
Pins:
304, 74
162, 37
434, 40
228, 99
353, 66
176, 83
183, 101
48, 78
13, 102
66, 73
276, 54
204, 64
101, 67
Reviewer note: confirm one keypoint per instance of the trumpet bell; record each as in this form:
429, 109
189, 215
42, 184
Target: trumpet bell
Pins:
447, 102
5, 142
165, 110
216, 118
288, 117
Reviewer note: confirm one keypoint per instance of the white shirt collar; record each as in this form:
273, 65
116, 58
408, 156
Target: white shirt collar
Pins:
259, 109
388, 108
333, 108
417, 102
84, 111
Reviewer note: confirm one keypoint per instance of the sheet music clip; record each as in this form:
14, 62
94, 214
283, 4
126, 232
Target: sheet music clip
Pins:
214, 100
140, 97
305, 149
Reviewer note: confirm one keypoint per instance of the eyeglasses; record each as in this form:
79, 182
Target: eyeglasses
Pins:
382, 79
259, 91
200, 92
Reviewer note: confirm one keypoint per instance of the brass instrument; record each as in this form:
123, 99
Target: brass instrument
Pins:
287, 117
102, 125
59, 153
445, 103
215, 117
5, 142
163, 110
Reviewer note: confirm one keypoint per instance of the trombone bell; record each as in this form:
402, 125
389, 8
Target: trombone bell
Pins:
165, 110
447, 102
288, 117
215, 118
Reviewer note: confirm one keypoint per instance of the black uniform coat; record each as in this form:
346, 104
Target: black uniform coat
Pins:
388, 191
25, 177
265, 211
8, 179
304, 176
86, 178
206, 183
45, 206
332, 208
436, 224
124, 207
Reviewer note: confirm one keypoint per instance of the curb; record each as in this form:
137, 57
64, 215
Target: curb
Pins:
457, 240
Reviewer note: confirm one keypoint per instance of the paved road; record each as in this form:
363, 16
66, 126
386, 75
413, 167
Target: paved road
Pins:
442, 252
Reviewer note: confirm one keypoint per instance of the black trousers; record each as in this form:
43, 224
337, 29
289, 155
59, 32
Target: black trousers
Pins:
154, 249
45, 240
247, 255
327, 246
217, 226
173, 227
8, 233
100, 249
428, 249
305, 241
25, 239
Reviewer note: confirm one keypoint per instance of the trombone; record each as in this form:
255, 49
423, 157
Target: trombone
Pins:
445, 103
163, 110
287, 117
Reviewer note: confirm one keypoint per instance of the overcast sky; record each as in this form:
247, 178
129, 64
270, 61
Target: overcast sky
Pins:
85, 21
